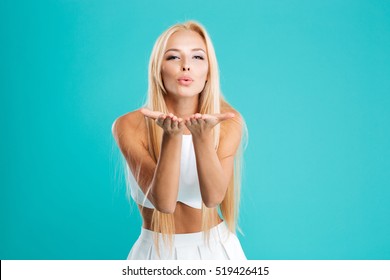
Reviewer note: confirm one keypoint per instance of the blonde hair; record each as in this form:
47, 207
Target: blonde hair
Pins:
211, 102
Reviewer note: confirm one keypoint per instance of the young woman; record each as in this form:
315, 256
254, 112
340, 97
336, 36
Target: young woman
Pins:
182, 152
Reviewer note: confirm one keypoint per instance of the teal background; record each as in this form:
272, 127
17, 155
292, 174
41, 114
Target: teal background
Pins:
310, 77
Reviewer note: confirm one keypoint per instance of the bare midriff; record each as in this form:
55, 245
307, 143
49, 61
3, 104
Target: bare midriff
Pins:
187, 219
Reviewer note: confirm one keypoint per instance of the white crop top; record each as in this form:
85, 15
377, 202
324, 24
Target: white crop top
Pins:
189, 190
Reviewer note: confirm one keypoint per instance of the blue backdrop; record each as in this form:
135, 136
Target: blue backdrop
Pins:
310, 77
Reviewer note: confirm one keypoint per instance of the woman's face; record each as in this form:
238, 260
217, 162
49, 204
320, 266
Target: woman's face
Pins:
185, 64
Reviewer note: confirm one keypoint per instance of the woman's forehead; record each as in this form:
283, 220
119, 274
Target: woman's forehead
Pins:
186, 39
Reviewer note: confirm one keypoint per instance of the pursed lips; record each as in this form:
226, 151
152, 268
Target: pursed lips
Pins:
185, 80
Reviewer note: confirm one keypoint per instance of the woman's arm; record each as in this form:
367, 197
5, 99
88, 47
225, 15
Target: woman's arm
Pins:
162, 178
215, 168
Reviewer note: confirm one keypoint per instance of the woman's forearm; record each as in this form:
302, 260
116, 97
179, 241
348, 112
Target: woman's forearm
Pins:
165, 183
212, 179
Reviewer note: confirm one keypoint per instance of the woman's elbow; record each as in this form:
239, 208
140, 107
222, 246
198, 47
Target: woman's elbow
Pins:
166, 208
162, 203
212, 202
213, 199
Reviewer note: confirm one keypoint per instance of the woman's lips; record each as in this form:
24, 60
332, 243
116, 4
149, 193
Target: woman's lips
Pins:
185, 81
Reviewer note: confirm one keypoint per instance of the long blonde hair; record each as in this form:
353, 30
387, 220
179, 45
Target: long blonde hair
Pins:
211, 102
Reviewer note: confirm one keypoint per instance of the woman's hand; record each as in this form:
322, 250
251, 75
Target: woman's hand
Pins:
171, 124
199, 124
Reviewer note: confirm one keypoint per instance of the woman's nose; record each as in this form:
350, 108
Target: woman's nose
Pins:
185, 66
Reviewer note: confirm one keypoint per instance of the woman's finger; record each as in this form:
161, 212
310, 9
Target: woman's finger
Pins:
151, 114
225, 116
174, 123
160, 120
210, 119
194, 121
167, 122
217, 118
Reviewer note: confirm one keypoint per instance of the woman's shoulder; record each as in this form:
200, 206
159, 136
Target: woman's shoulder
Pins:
132, 123
234, 124
231, 132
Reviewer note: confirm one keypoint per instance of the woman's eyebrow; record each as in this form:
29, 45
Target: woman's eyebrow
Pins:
177, 50
199, 49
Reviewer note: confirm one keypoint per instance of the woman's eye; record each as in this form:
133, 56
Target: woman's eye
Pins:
172, 57
199, 57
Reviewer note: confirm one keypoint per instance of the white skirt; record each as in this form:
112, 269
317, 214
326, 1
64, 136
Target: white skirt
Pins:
223, 245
